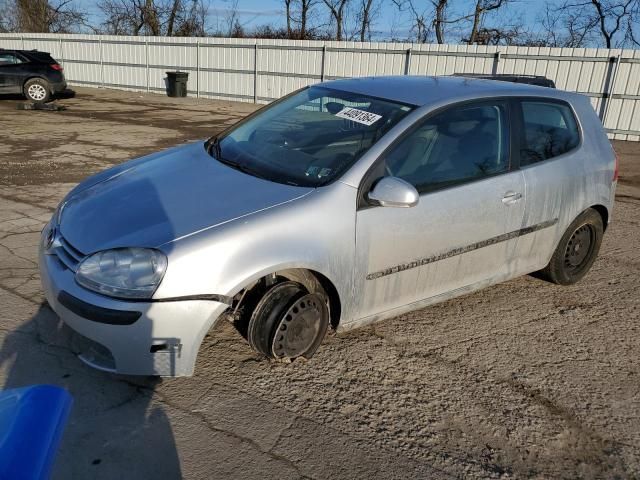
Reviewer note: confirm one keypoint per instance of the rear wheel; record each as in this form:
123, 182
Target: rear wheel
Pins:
37, 90
288, 322
577, 249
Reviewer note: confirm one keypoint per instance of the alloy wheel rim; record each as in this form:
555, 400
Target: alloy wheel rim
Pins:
37, 92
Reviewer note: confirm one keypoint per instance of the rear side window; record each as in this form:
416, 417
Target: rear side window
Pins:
550, 129
8, 59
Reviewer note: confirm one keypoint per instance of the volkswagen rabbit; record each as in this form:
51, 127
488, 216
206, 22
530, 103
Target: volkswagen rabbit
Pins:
341, 204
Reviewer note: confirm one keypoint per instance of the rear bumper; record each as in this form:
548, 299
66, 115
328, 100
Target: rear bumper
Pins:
163, 338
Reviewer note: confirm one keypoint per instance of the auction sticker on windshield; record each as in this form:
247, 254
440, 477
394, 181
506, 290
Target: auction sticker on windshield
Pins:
360, 116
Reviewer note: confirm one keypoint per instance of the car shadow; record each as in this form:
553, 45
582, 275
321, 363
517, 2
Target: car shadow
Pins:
115, 429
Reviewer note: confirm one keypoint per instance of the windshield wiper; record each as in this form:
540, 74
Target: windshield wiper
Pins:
214, 144
241, 167
214, 149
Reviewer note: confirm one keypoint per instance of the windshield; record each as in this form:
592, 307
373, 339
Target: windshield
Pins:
310, 138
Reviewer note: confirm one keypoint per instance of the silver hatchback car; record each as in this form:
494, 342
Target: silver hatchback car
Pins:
339, 205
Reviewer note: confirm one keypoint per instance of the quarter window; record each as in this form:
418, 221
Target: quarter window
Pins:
550, 129
459, 145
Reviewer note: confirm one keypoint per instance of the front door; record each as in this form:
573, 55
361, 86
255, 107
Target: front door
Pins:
464, 229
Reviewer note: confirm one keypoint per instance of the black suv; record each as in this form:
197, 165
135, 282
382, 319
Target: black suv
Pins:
30, 72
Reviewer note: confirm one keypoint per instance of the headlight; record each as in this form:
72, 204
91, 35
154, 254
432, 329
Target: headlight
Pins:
123, 272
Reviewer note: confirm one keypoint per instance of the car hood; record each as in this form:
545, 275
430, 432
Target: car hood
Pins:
153, 201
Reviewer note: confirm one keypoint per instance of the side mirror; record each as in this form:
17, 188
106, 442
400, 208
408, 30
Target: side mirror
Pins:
394, 192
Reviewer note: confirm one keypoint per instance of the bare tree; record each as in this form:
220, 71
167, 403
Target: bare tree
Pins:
172, 16
514, 35
287, 10
299, 15
306, 7
612, 15
364, 19
125, 17
7, 19
608, 22
192, 22
151, 14
155, 17
480, 10
419, 18
424, 19
337, 11
42, 16
232, 20
439, 19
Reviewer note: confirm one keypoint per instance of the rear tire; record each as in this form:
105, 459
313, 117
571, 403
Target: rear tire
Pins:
288, 322
37, 90
577, 249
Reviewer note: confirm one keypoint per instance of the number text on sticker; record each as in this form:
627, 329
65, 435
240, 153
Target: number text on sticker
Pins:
360, 116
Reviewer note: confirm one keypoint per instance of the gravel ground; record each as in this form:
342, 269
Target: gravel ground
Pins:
522, 380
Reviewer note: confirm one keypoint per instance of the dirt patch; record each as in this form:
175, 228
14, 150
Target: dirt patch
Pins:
100, 128
629, 156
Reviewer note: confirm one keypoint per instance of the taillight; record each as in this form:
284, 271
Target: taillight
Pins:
57, 66
616, 168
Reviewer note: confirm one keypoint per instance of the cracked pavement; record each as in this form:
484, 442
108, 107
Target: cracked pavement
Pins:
522, 380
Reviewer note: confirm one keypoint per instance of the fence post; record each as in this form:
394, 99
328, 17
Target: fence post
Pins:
323, 64
146, 61
255, 73
197, 68
61, 51
101, 63
22, 38
407, 62
614, 63
496, 61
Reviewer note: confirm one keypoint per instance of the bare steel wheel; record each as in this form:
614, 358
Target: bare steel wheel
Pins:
288, 322
577, 249
37, 90
305, 321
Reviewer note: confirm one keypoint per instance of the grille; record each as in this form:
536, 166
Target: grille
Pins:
67, 254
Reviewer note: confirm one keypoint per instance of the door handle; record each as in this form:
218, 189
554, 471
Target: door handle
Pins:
510, 197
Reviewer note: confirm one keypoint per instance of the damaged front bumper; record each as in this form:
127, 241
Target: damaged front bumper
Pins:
128, 337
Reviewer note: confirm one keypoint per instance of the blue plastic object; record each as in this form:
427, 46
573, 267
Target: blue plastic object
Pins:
31, 423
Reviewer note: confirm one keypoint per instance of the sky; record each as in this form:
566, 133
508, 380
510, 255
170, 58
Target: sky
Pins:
389, 21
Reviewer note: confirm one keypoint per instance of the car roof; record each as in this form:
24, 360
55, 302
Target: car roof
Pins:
426, 90
24, 52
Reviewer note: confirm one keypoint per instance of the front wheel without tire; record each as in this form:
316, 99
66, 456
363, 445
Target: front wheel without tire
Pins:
577, 249
288, 322
37, 90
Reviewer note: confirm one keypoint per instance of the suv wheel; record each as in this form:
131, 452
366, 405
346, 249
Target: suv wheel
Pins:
37, 90
288, 322
577, 249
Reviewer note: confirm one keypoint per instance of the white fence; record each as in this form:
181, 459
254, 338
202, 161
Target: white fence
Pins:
262, 70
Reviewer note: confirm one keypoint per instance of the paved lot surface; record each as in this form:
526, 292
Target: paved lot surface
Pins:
522, 380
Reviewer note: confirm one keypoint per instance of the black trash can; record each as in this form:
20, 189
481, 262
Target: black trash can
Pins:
177, 84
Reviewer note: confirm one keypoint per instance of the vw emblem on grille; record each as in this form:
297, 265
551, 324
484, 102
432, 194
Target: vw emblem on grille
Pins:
51, 236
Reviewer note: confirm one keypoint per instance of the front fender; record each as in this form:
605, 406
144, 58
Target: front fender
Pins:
315, 232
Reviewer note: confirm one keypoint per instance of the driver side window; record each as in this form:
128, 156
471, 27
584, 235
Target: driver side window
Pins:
458, 145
